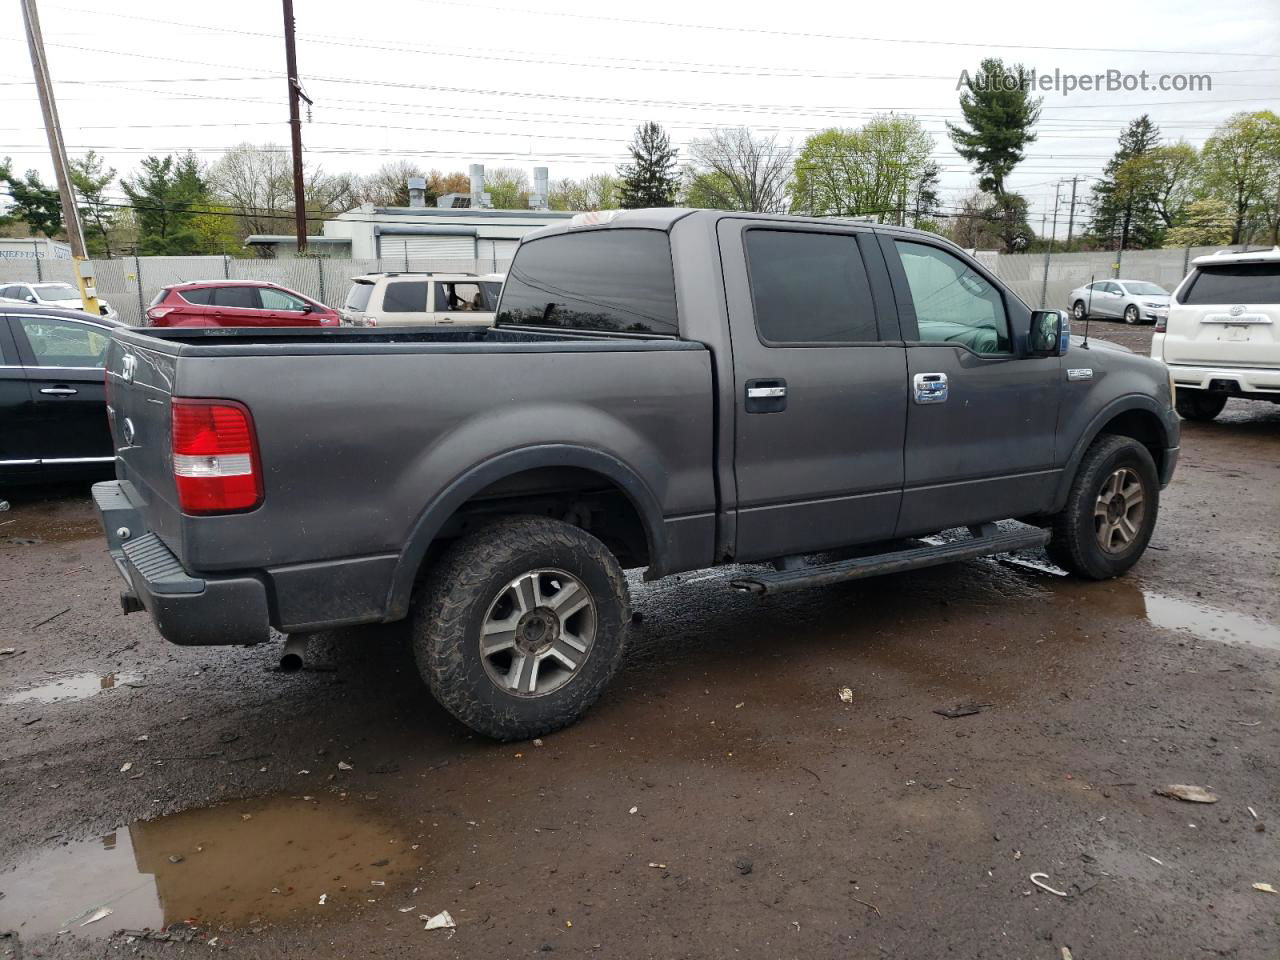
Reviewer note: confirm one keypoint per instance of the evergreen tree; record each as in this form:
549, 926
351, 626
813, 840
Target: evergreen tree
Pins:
1125, 200
1001, 114
168, 195
90, 177
34, 204
650, 180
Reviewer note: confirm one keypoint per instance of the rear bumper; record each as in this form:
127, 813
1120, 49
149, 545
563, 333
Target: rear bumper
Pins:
1230, 380
187, 610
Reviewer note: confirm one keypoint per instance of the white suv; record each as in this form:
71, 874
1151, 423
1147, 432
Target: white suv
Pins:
421, 299
1220, 339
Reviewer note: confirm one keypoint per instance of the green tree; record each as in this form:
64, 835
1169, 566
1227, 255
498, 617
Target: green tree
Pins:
876, 171
733, 169
508, 188
987, 222
34, 204
1175, 170
167, 194
1205, 223
90, 178
1001, 115
1240, 165
650, 180
1125, 210
596, 191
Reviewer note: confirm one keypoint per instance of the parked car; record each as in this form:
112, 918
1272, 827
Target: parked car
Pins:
1222, 336
52, 294
237, 303
421, 299
53, 416
667, 389
1133, 301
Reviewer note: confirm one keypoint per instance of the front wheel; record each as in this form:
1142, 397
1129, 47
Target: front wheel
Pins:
1110, 512
1131, 315
1199, 404
521, 625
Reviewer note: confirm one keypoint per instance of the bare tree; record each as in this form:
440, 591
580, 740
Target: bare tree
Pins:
388, 186
733, 169
596, 191
257, 183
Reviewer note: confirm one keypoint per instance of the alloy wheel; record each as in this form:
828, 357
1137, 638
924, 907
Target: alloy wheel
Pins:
538, 632
1119, 510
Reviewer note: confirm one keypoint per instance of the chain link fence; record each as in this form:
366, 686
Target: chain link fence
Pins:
130, 283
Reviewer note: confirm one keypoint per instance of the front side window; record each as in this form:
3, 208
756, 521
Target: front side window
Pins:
1232, 283
405, 296
954, 303
616, 280
60, 344
809, 288
273, 299
471, 296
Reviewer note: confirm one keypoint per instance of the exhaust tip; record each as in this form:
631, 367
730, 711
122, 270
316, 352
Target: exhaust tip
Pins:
291, 662
291, 659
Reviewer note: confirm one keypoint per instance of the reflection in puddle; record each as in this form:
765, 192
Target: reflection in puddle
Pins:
1210, 623
238, 863
72, 688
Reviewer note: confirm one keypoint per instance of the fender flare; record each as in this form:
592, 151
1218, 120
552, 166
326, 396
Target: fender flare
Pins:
1123, 404
464, 487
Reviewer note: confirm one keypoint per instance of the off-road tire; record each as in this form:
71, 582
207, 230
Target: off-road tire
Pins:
1199, 404
1075, 545
451, 607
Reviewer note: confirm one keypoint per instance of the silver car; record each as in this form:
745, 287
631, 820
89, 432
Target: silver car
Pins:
52, 295
1133, 301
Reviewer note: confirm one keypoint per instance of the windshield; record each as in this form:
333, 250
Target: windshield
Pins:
56, 291
1142, 289
358, 295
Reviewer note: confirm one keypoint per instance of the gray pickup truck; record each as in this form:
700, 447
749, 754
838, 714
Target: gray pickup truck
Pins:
666, 389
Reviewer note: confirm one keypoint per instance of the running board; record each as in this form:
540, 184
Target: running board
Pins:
915, 558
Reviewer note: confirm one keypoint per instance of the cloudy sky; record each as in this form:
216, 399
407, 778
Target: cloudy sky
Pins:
563, 82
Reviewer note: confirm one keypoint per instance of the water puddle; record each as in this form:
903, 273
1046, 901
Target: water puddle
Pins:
78, 687
1210, 623
238, 864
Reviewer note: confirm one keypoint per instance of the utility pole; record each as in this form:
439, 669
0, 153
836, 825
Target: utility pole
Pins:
58, 151
1057, 198
295, 128
1071, 217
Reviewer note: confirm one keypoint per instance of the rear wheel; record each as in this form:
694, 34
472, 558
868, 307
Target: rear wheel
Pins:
1199, 404
521, 626
1131, 315
1110, 512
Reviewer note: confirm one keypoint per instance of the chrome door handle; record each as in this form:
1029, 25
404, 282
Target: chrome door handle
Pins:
60, 391
765, 393
930, 388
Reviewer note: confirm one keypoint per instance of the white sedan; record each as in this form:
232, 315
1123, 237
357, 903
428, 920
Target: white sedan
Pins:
52, 294
1133, 301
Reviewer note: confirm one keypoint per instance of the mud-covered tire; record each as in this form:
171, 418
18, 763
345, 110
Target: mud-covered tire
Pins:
450, 612
1199, 404
1075, 545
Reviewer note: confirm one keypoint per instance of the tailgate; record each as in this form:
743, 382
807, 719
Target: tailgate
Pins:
1229, 316
140, 383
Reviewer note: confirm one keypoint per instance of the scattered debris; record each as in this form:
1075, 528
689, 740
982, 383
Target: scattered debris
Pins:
1265, 888
1039, 878
1188, 792
343, 765
634, 810
962, 710
1017, 854
1244, 723
127, 767
378, 883
176, 858
97, 915
54, 617
739, 706
1252, 812
323, 898
441, 921
867, 903
4, 505
659, 866
6, 651
1155, 860
846, 695
537, 741
1066, 953
142, 739
407, 909
744, 865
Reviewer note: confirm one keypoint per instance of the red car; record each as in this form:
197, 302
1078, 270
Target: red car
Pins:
236, 303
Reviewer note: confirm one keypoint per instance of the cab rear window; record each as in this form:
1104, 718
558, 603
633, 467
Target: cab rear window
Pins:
616, 280
1234, 283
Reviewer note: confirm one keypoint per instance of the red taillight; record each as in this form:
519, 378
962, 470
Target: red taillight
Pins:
1162, 324
159, 313
215, 456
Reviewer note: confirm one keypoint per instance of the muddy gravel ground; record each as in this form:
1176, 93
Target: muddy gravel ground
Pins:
721, 800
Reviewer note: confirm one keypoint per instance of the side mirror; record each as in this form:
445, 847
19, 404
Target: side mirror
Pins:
308, 308
30, 298
1050, 333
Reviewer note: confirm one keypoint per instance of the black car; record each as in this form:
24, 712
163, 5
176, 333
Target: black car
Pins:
53, 414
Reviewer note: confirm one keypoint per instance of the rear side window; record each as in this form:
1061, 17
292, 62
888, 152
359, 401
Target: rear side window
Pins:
358, 296
1235, 283
202, 296
243, 298
611, 280
405, 296
809, 288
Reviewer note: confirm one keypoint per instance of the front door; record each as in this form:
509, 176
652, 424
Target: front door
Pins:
820, 386
982, 418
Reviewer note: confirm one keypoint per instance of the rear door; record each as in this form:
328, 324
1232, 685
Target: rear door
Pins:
17, 432
1227, 315
63, 360
982, 420
238, 306
820, 386
405, 302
